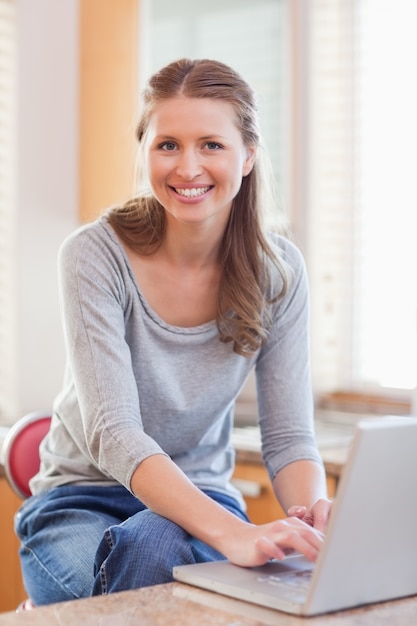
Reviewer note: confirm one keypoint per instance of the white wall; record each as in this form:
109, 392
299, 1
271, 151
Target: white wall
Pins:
47, 188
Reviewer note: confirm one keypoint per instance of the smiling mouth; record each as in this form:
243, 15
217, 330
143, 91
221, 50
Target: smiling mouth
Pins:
192, 192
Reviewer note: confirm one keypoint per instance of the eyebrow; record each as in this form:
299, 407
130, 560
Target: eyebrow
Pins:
203, 138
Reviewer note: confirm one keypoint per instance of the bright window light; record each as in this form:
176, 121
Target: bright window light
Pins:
387, 269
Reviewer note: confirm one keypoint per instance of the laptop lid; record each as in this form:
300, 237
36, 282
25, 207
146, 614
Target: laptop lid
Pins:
369, 554
370, 549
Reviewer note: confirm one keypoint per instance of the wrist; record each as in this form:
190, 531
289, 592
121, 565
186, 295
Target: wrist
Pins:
214, 524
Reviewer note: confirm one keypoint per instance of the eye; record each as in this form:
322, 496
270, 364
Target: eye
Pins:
213, 145
168, 146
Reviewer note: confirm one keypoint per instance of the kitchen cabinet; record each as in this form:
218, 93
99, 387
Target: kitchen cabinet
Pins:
262, 506
11, 586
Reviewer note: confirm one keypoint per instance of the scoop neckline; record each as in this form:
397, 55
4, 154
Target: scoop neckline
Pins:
151, 313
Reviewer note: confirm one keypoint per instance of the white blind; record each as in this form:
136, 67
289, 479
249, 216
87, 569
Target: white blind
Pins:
330, 198
7, 204
386, 348
362, 204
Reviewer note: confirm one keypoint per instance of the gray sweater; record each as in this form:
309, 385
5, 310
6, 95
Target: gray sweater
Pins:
136, 386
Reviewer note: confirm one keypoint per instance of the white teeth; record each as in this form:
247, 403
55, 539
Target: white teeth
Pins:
192, 193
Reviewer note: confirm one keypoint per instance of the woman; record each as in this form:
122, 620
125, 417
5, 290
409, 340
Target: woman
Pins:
168, 303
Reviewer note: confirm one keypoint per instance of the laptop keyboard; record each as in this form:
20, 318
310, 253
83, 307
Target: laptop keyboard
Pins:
292, 585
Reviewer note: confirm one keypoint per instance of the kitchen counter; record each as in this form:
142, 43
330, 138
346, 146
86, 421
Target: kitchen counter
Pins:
181, 605
334, 433
333, 458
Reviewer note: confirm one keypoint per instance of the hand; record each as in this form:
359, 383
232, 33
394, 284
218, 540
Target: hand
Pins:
255, 545
317, 517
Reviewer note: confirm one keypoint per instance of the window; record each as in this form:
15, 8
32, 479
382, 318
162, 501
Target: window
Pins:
386, 349
338, 114
363, 202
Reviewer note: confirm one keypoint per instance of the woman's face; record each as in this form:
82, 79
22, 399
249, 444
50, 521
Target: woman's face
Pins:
196, 159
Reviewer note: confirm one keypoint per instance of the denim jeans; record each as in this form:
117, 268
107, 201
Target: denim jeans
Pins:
80, 541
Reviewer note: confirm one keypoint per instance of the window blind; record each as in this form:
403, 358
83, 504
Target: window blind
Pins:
7, 204
362, 201
331, 202
386, 348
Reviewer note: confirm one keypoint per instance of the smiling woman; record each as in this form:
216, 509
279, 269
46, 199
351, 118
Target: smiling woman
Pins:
168, 302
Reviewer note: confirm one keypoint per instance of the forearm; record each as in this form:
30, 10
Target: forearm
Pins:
165, 489
300, 483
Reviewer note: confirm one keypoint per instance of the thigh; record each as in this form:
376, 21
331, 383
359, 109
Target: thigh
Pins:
60, 532
143, 550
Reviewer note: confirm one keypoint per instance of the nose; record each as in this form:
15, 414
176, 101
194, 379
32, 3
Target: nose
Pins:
188, 164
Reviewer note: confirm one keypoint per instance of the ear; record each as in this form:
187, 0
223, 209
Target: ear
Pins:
249, 161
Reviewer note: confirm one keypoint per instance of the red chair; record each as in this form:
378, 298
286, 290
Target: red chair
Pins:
20, 452
20, 457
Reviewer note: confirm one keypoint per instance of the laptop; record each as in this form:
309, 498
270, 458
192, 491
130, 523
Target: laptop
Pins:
370, 551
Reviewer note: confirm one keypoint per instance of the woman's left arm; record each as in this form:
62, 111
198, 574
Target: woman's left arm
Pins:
286, 405
301, 489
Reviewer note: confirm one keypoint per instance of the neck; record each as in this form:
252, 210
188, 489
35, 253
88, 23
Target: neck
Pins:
191, 246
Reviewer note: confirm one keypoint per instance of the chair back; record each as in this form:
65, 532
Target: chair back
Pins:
20, 452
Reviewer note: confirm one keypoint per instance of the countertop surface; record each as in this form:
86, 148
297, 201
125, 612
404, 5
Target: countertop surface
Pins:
181, 605
334, 433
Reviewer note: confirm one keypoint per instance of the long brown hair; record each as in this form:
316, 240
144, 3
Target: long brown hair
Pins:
246, 256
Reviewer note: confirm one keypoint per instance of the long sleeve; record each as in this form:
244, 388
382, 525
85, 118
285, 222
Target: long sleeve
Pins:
134, 386
283, 374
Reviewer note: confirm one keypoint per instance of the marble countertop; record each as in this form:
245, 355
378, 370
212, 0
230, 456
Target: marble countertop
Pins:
181, 605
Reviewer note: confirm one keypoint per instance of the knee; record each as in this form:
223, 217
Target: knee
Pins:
148, 537
42, 586
140, 552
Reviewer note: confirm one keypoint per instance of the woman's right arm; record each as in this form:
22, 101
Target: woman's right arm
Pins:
161, 485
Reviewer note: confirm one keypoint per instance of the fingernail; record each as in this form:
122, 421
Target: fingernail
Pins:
295, 510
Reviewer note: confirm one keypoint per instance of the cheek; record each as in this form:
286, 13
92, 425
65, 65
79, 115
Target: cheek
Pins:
155, 170
230, 169
155, 179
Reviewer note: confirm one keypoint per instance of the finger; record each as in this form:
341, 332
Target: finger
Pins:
269, 548
297, 511
296, 535
321, 515
309, 518
304, 546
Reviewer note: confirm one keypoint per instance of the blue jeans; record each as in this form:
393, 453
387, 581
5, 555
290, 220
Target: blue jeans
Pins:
82, 541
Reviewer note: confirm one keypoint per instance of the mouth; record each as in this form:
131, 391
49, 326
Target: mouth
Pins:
192, 192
